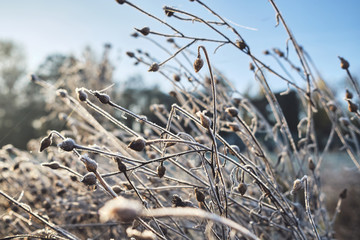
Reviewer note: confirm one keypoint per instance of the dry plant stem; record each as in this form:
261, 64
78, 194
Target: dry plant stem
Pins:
177, 52
337, 211
40, 218
28, 236
307, 206
198, 213
353, 81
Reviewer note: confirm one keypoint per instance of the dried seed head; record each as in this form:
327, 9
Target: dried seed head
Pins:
52, 165
173, 94
177, 201
205, 121
67, 145
311, 164
90, 164
198, 64
121, 166
234, 127
135, 35
251, 67
167, 11
138, 144
348, 94
82, 96
89, 179
33, 78
296, 186
242, 187
344, 121
161, 171
241, 44
120, 1
266, 52
236, 101
352, 106
145, 31
45, 143
200, 197
176, 78
232, 111
154, 67
343, 63
130, 54
62, 93
170, 40
117, 189
279, 52
343, 194
103, 98
120, 209
332, 106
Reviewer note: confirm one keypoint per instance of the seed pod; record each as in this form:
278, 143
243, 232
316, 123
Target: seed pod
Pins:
198, 64
117, 189
234, 127
348, 94
311, 164
90, 164
352, 106
176, 78
121, 166
120, 1
345, 121
232, 111
62, 93
296, 186
137, 144
67, 145
130, 54
168, 12
205, 121
154, 67
161, 171
170, 40
266, 52
241, 44
135, 35
173, 94
343, 63
103, 98
251, 67
332, 106
279, 52
200, 197
176, 201
242, 188
89, 179
343, 194
34, 78
45, 143
52, 165
145, 31
82, 96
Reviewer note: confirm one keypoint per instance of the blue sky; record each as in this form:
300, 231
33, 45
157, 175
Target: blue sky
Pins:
325, 29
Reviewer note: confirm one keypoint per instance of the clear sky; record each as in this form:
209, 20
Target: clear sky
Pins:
324, 28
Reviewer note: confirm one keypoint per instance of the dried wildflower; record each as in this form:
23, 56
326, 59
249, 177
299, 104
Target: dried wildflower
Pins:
117, 189
45, 143
120, 1
82, 96
176, 78
332, 106
138, 144
89, 179
311, 164
343, 63
205, 121
279, 52
161, 170
145, 31
62, 93
232, 111
296, 186
200, 197
121, 166
167, 11
67, 145
130, 54
177, 201
241, 44
120, 209
242, 187
103, 98
348, 94
90, 164
198, 64
154, 67
343, 194
352, 106
52, 165
234, 127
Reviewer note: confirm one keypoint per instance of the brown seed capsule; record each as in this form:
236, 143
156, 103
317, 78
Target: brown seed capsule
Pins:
67, 145
279, 52
266, 52
205, 121
234, 127
62, 93
176, 201
311, 164
145, 31
103, 98
82, 96
352, 106
332, 106
121, 166
198, 64
34, 78
296, 186
232, 111
90, 164
168, 12
251, 67
137, 144
176, 78
117, 189
120, 1
154, 67
161, 171
348, 94
200, 197
130, 54
344, 121
242, 188
45, 143
89, 179
240, 44
135, 35
173, 94
343, 63
52, 165
343, 194
170, 40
